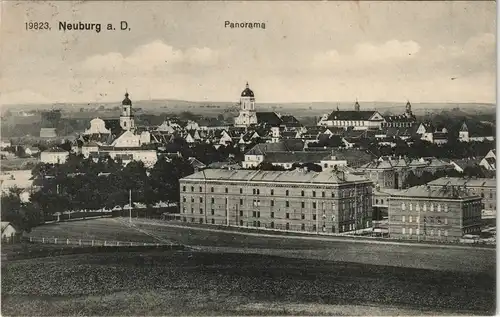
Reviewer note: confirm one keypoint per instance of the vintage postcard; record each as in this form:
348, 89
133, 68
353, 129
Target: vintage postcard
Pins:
248, 158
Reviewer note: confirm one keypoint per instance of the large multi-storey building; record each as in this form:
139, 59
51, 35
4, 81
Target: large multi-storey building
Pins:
357, 119
486, 188
427, 213
299, 200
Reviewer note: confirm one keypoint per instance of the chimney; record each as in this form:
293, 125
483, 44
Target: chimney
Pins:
341, 175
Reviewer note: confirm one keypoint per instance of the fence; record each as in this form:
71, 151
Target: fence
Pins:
89, 242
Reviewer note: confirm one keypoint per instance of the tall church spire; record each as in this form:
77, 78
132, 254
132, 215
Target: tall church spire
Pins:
126, 116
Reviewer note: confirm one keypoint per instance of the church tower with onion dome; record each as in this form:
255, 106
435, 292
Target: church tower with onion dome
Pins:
126, 116
248, 115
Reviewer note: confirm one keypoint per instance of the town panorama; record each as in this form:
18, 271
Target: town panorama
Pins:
354, 175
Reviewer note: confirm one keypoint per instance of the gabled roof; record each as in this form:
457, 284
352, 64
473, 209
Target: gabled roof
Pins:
269, 118
195, 163
351, 115
464, 127
491, 160
387, 163
290, 121
446, 192
296, 176
4, 225
463, 163
467, 182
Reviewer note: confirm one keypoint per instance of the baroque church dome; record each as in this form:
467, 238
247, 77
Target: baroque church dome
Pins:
247, 92
126, 101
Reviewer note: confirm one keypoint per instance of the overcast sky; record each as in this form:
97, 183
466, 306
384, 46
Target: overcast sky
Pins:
309, 51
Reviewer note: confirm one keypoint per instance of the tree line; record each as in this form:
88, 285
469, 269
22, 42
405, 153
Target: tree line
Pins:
84, 184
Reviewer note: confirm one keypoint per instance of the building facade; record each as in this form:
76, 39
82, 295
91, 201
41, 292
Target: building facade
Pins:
357, 119
486, 188
54, 156
438, 214
406, 120
325, 202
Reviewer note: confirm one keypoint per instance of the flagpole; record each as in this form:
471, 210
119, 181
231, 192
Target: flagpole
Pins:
130, 205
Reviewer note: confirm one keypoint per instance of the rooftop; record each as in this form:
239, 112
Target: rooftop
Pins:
351, 115
297, 157
425, 191
467, 182
296, 176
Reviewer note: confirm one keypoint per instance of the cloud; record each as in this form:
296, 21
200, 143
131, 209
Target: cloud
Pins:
154, 56
476, 55
23, 97
365, 53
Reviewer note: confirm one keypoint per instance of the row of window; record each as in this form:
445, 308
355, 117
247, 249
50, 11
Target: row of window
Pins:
256, 191
256, 203
424, 232
287, 226
343, 216
425, 207
349, 123
426, 219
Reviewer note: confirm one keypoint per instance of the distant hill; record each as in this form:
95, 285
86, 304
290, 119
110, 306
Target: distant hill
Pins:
315, 108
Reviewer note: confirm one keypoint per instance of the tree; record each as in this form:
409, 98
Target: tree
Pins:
22, 216
267, 166
474, 171
312, 167
410, 180
161, 185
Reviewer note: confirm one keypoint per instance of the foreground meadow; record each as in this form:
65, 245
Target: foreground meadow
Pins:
204, 283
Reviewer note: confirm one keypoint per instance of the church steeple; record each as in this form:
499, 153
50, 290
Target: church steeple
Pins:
408, 112
356, 105
247, 114
126, 116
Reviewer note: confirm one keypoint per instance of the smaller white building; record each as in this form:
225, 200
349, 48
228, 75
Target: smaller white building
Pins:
9, 233
54, 156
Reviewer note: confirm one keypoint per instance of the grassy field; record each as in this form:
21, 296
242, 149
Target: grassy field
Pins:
231, 274
99, 229
199, 283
